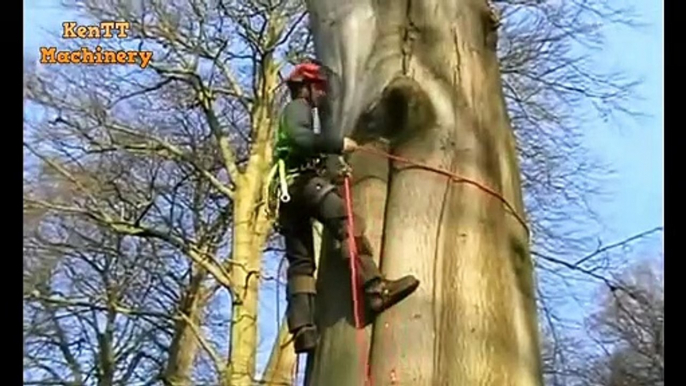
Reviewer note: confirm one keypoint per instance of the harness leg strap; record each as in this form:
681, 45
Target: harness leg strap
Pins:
301, 297
301, 284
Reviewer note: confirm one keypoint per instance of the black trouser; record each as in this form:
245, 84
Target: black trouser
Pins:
316, 197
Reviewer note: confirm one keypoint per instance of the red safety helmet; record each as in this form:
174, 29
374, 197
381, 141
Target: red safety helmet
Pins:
307, 72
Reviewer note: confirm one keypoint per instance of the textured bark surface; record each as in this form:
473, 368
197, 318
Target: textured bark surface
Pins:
334, 298
279, 369
425, 75
251, 228
185, 343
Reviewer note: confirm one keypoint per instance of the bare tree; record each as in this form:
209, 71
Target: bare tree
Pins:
623, 340
100, 316
175, 155
630, 329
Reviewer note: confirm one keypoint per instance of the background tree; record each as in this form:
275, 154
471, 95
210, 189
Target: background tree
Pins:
630, 329
624, 344
175, 156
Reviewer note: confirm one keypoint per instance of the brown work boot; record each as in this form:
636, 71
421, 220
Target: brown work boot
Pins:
382, 294
305, 339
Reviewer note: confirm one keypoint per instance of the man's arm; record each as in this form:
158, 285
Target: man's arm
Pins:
298, 126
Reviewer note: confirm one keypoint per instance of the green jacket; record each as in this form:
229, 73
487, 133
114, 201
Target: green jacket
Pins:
296, 141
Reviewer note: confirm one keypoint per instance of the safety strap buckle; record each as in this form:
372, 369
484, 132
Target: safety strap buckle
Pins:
302, 284
277, 171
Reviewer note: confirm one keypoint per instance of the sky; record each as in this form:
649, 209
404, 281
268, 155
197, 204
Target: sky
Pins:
636, 150
633, 149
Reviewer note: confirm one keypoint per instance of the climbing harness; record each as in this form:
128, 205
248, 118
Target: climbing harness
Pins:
283, 184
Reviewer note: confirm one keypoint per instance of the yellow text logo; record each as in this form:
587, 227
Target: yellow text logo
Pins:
96, 55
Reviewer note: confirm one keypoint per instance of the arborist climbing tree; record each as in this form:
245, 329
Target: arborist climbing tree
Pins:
314, 194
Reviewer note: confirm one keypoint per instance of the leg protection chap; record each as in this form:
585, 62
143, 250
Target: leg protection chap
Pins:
366, 269
301, 297
332, 212
316, 189
363, 246
301, 284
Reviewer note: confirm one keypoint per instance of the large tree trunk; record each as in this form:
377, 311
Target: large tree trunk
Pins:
252, 225
426, 76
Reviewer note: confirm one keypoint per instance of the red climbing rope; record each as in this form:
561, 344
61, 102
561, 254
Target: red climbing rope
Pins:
453, 176
356, 289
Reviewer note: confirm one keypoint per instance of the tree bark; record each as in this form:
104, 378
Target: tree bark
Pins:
246, 266
279, 369
184, 347
251, 226
425, 75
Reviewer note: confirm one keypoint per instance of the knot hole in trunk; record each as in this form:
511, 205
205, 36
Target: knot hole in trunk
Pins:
401, 113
